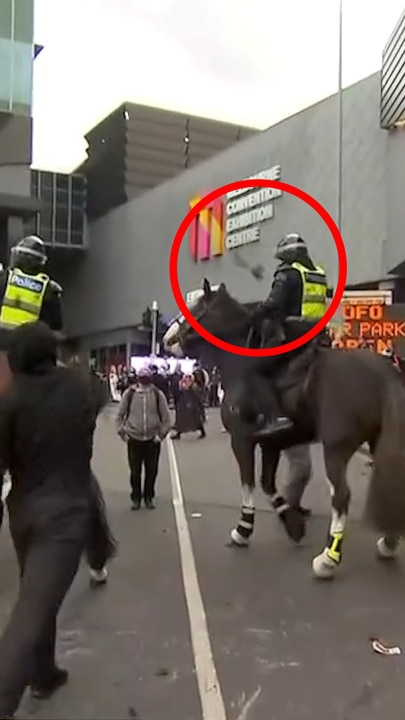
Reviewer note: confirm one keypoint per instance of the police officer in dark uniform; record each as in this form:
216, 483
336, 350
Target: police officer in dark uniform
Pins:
299, 290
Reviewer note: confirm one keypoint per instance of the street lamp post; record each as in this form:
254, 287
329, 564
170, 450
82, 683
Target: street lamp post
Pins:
340, 121
155, 317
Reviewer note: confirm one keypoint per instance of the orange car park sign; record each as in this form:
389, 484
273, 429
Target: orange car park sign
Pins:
371, 321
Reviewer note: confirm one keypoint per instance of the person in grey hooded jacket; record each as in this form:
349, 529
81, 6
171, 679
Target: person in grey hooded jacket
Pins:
143, 421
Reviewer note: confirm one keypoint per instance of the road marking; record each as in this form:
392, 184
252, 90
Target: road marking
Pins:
6, 489
212, 703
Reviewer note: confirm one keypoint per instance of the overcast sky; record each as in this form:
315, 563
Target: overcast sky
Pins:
248, 61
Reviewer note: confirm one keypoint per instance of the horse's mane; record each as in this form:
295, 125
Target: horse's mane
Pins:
224, 300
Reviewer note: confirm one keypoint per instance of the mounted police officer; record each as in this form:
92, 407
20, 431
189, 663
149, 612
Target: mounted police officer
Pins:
299, 290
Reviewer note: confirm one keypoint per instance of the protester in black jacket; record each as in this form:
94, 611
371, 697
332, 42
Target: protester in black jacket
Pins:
47, 421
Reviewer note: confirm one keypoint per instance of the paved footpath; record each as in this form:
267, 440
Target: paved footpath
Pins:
284, 646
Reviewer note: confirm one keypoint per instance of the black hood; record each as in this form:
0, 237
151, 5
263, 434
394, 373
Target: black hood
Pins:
32, 349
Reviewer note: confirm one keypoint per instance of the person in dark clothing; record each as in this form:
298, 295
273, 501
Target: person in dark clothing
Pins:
161, 382
299, 291
175, 380
190, 413
47, 422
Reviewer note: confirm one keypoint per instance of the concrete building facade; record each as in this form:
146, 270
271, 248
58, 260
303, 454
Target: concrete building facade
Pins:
126, 266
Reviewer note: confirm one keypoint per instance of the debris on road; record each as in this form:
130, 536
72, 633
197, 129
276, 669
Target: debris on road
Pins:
196, 515
381, 649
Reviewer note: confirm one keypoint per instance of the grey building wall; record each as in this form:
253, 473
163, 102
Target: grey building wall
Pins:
127, 262
394, 247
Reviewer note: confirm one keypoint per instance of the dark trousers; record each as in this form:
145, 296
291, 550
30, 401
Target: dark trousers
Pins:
49, 538
143, 454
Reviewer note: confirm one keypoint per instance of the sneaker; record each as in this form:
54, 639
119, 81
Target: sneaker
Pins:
135, 505
150, 505
98, 577
46, 690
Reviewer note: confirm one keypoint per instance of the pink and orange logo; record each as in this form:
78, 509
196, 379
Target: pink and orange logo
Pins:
207, 231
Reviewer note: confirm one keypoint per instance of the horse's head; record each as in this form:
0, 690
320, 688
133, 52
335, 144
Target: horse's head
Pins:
215, 310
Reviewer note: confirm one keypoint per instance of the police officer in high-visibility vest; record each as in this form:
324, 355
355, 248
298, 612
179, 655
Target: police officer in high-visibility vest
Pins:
299, 290
27, 293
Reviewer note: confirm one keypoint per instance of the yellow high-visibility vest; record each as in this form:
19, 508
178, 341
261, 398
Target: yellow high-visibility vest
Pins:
23, 298
314, 291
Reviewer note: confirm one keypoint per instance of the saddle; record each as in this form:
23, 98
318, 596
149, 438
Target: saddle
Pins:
296, 369
265, 334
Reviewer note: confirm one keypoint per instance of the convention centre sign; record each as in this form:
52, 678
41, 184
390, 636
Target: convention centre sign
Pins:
234, 220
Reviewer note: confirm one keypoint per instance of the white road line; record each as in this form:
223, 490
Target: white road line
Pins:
212, 703
6, 488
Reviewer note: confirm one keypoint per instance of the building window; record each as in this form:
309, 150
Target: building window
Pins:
45, 218
5, 74
23, 20
46, 194
16, 55
45, 233
62, 182
46, 181
21, 77
34, 183
62, 197
62, 218
61, 237
77, 239
77, 221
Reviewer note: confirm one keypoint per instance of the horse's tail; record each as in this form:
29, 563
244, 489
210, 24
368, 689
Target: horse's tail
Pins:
385, 507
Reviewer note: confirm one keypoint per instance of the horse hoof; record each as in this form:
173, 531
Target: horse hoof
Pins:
294, 523
98, 577
237, 540
386, 549
323, 567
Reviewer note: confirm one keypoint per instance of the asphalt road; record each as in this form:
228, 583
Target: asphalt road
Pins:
284, 646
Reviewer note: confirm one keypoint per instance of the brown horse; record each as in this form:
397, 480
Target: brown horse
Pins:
337, 397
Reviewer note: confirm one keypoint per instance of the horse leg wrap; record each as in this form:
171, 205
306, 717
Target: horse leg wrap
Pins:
279, 504
241, 534
324, 565
334, 547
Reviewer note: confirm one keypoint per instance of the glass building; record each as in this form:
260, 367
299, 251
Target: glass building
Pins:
16, 55
61, 220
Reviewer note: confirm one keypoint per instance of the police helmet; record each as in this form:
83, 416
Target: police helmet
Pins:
290, 248
29, 254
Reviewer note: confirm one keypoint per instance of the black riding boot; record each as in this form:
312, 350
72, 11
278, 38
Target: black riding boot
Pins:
260, 407
273, 421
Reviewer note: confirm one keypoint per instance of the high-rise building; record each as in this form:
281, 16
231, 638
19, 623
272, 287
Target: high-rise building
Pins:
17, 52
